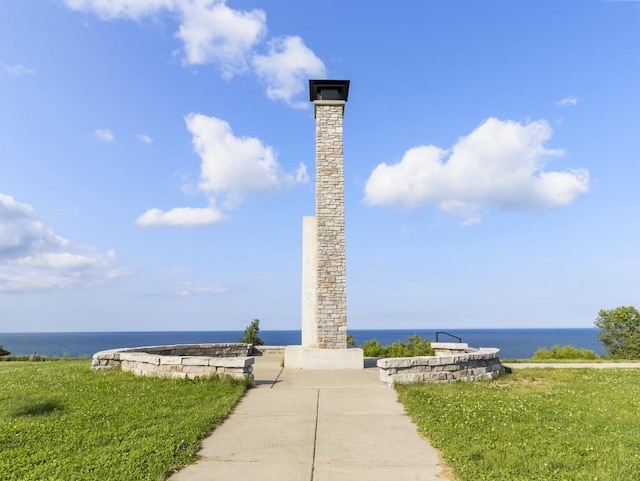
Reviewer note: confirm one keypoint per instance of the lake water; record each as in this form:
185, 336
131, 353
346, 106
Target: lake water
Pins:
513, 343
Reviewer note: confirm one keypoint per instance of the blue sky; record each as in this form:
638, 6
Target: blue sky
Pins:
157, 158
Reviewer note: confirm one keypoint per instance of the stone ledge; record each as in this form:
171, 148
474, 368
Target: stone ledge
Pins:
266, 350
450, 345
483, 363
179, 361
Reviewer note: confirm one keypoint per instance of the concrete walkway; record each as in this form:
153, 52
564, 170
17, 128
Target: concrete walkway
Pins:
573, 365
310, 425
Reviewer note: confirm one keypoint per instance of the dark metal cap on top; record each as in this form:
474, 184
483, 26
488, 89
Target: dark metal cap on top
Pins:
328, 90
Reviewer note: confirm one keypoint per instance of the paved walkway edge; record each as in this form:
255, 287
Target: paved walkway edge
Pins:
316, 425
572, 365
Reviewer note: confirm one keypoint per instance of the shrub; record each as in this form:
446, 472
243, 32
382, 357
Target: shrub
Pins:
29, 358
415, 346
372, 348
620, 332
4, 352
251, 334
351, 341
564, 352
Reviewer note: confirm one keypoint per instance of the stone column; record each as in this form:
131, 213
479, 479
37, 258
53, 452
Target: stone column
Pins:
331, 286
324, 277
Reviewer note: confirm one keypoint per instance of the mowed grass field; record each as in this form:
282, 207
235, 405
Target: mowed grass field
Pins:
534, 424
61, 421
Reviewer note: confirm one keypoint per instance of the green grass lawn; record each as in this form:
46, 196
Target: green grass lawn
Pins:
61, 421
534, 424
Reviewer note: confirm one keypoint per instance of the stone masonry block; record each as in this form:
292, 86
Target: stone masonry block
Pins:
476, 364
396, 362
195, 361
409, 378
232, 362
441, 360
148, 361
194, 369
441, 376
171, 360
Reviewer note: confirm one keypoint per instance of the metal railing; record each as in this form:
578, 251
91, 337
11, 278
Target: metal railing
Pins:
446, 333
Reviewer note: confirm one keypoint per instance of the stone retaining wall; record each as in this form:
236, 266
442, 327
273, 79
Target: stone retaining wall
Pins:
483, 363
265, 350
180, 361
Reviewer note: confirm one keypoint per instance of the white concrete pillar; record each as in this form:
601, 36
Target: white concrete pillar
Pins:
309, 284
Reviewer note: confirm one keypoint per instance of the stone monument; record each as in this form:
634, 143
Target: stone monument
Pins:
324, 285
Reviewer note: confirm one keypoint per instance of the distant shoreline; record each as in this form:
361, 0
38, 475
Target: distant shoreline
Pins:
518, 343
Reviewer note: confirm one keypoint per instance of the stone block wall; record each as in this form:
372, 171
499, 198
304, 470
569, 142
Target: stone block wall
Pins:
267, 350
180, 361
483, 363
331, 296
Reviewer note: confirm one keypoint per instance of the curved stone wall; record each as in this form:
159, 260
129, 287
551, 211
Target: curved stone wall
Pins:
483, 363
180, 361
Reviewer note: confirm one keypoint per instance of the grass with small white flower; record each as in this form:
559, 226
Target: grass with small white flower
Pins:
59, 420
534, 424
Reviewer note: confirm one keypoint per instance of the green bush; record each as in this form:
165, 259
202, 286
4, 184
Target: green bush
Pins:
251, 334
37, 358
3, 351
372, 348
564, 352
415, 346
351, 341
620, 332
29, 357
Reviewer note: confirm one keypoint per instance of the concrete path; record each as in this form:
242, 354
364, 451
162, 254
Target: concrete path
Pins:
573, 365
310, 425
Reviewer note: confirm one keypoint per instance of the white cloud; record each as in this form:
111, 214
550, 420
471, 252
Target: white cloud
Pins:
231, 168
104, 135
65, 261
181, 217
131, 9
21, 233
34, 258
37, 281
210, 31
144, 138
189, 289
301, 175
235, 166
500, 165
567, 101
120, 272
213, 33
287, 66
11, 209
17, 70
